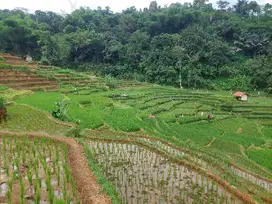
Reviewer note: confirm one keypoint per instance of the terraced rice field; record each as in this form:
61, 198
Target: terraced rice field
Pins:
35, 171
171, 152
17, 61
72, 81
142, 176
25, 80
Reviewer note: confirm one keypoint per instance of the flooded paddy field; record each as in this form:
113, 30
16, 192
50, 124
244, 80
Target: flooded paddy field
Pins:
35, 171
143, 176
178, 153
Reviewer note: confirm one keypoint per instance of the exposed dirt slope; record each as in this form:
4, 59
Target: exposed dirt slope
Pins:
24, 80
14, 60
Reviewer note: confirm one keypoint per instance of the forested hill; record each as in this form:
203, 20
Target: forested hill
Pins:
192, 43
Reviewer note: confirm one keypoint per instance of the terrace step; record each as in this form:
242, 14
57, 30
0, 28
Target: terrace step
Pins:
21, 80
25, 80
45, 87
19, 63
30, 84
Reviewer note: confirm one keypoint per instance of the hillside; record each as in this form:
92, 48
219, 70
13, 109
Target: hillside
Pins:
137, 106
191, 45
231, 153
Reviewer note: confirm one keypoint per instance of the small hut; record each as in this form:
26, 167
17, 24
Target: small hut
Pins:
241, 96
28, 58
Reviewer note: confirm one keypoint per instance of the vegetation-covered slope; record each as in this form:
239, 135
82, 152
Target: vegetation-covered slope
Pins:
234, 146
182, 44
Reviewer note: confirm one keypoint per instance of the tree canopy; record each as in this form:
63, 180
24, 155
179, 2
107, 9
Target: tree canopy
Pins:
190, 44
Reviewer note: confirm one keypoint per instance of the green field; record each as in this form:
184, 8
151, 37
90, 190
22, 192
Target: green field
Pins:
238, 133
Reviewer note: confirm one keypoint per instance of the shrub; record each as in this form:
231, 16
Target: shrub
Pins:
3, 88
76, 132
269, 90
110, 82
60, 110
3, 110
44, 61
2, 103
2, 59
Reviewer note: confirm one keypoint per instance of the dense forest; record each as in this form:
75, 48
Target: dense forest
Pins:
191, 45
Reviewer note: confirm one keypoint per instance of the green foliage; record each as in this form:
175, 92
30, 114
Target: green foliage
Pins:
269, 90
2, 59
27, 119
110, 82
15, 68
76, 132
240, 83
261, 156
3, 88
107, 187
180, 45
124, 119
2, 103
60, 110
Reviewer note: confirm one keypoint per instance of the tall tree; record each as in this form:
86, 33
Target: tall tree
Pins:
223, 5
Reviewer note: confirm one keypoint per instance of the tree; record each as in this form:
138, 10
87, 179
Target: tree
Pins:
223, 5
200, 3
253, 43
267, 9
181, 44
241, 7
153, 6
254, 8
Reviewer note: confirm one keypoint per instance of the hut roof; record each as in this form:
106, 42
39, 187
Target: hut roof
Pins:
240, 94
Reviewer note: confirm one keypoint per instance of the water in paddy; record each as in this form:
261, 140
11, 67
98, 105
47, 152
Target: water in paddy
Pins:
142, 176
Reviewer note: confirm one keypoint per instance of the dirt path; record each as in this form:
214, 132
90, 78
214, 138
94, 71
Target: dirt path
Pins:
211, 142
242, 150
89, 190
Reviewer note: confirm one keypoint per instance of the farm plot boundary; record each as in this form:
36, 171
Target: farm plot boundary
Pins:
246, 198
87, 187
201, 161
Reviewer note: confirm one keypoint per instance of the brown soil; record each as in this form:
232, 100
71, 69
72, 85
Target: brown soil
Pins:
211, 142
89, 190
267, 200
250, 173
3, 114
246, 198
14, 60
239, 130
24, 80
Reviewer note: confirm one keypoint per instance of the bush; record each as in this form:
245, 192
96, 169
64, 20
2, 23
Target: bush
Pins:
2, 59
269, 90
77, 131
60, 110
2, 103
3, 88
44, 61
110, 82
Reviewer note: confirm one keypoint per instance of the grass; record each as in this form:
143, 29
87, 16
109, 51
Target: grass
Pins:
123, 119
11, 94
15, 67
3, 88
261, 156
176, 116
27, 119
42, 100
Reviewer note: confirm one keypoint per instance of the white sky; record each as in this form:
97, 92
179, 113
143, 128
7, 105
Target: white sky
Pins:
116, 6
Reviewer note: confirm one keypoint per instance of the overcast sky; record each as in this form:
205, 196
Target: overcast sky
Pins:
116, 6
